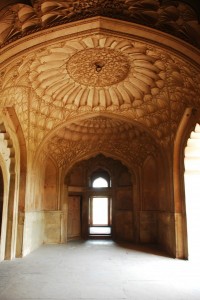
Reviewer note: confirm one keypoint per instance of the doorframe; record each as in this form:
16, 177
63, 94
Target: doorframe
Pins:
109, 223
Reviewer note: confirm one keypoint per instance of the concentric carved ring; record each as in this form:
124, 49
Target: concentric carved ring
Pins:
98, 67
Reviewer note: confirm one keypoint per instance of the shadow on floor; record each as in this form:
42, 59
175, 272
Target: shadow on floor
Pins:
153, 249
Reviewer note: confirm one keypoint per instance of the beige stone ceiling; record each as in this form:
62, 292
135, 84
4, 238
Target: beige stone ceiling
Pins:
97, 92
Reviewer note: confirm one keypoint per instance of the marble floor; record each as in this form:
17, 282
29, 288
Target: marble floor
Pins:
99, 269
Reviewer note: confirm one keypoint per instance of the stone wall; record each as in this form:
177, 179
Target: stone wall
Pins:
43, 227
33, 231
166, 232
50, 199
149, 227
52, 231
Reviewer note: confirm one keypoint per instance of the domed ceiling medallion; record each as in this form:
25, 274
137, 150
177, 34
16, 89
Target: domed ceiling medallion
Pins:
95, 73
98, 67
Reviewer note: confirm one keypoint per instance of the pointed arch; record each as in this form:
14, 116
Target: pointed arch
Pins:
15, 168
186, 125
192, 192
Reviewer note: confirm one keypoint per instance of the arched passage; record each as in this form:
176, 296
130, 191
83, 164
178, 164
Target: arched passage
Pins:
192, 192
104, 210
13, 169
187, 124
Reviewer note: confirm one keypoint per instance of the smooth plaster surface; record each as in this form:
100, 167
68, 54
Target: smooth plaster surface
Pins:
99, 269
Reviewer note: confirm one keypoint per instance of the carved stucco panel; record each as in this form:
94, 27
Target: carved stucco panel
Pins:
59, 73
100, 134
134, 152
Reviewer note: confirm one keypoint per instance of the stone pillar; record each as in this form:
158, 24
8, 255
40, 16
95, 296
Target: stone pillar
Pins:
9, 249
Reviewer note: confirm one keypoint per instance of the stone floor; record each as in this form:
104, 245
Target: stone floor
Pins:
99, 270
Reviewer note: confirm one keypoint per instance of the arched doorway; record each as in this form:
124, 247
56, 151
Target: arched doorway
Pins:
114, 199
100, 205
192, 192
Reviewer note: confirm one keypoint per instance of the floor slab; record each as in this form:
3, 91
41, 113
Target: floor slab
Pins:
99, 269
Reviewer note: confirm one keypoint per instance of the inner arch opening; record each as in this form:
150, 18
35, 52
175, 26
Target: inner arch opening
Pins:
192, 193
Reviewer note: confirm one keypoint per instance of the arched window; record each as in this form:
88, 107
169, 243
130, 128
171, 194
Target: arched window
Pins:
100, 178
99, 182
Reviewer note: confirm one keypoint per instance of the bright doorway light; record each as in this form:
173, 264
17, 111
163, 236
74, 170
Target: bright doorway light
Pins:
192, 193
100, 216
100, 211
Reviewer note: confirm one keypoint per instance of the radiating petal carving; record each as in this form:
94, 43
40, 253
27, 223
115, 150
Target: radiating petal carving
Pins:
85, 73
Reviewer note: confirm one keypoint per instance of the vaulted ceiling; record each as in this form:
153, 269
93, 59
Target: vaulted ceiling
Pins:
87, 76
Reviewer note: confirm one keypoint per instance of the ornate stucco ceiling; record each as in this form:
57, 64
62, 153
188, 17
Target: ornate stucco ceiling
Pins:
118, 139
96, 72
97, 91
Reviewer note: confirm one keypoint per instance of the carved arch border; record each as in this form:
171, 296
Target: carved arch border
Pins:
3, 228
187, 125
8, 238
14, 182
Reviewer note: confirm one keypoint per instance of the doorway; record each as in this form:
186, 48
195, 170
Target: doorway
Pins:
192, 193
106, 181
100, 216
100, 212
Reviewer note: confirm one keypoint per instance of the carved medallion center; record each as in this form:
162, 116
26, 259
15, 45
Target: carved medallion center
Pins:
98, 67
